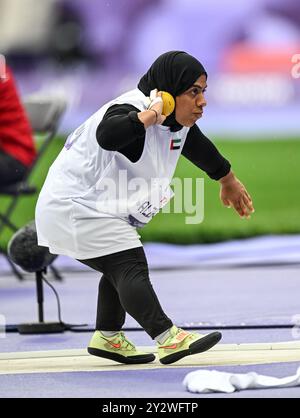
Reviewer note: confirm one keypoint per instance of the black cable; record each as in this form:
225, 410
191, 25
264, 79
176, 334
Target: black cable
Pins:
77, 328
192, 326
57, 299
199, 328
68, 327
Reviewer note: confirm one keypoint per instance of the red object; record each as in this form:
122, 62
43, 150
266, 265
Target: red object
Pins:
248, 58
16, 137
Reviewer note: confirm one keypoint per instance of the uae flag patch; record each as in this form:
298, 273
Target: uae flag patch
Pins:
175, 144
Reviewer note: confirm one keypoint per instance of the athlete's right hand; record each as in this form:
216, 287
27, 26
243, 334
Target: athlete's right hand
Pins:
157, 105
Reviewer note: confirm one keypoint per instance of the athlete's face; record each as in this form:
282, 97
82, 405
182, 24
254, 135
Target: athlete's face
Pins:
190, 104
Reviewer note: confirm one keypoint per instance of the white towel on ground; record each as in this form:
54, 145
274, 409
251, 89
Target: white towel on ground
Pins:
208, 381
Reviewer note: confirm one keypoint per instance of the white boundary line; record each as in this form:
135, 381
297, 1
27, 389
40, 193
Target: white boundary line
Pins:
89, 363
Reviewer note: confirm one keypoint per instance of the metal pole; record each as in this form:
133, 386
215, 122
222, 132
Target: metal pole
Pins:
40, 295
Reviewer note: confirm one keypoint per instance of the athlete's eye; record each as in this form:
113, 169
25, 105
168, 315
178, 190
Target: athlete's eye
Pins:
195, 91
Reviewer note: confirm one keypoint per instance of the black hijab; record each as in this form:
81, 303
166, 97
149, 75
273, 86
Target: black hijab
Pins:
174, 72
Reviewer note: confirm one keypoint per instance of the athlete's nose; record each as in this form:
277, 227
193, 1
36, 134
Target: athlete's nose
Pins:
201, 101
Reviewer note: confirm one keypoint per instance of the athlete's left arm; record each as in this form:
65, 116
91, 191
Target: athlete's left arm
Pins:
203, 153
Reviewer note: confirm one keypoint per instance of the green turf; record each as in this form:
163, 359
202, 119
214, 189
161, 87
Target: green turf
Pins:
269, 170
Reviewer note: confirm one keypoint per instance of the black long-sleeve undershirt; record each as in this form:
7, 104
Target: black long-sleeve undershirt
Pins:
121, 130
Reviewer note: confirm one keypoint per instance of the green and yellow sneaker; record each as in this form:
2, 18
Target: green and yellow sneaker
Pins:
117, 348
182, 343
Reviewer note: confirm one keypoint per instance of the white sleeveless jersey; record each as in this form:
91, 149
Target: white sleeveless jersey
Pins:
87, 183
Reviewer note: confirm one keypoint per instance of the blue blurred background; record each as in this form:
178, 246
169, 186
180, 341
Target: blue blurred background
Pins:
93, 50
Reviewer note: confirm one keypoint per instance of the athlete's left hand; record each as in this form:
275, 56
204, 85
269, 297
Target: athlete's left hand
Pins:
234, 194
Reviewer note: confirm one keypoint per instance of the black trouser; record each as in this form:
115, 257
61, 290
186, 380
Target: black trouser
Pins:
11, 170
125, 287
